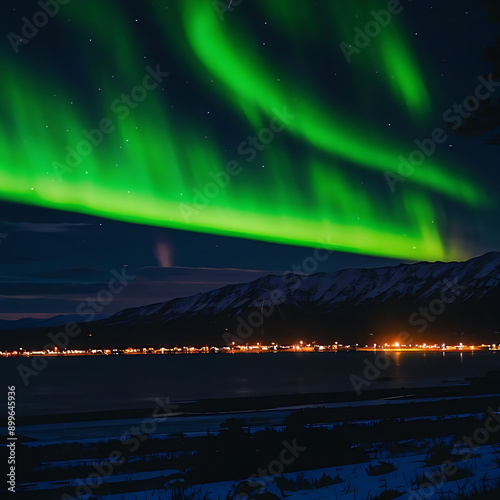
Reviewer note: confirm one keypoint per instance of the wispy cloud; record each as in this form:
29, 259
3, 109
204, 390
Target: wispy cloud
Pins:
60, 290
43, 227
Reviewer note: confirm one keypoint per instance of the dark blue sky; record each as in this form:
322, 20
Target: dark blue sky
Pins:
51, 260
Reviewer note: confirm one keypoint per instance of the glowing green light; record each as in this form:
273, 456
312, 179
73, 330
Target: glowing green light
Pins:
249, 82
156, 167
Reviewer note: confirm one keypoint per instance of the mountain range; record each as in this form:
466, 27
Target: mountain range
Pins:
440, 301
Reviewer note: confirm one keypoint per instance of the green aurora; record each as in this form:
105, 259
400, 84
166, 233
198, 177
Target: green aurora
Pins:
155, 159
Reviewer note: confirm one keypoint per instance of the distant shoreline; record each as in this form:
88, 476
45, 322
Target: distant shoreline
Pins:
244, 404
252, 349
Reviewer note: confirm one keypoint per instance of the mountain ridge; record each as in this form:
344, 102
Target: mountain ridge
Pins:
351, 304
276, 279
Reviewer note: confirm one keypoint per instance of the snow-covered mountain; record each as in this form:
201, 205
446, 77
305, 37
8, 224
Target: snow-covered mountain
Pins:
430, 300
467, 281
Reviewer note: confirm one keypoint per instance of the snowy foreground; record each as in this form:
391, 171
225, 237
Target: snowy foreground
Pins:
356, 481
400, 469
357, 484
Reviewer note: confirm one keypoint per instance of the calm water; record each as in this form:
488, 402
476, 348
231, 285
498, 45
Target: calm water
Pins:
98, 383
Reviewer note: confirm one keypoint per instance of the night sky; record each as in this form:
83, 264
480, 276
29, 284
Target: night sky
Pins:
201, 147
